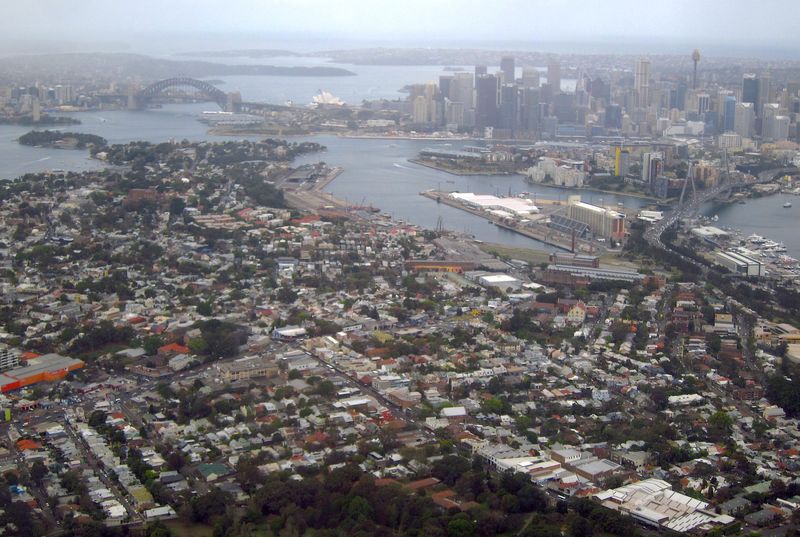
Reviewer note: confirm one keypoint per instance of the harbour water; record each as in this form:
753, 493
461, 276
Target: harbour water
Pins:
764, 216
377, 172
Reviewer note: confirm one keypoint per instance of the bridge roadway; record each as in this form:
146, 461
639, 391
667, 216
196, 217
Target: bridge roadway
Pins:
653, 234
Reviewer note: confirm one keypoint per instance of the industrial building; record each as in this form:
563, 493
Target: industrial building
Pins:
573, 259
440, 266
739, 263
491, 279
654, 503
289, 333
602, 222
508, 206
45, 368
575, 275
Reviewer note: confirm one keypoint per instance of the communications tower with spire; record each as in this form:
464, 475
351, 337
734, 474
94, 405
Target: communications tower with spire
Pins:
695, 59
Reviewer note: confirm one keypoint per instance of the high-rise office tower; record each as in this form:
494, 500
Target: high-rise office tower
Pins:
64, 94
530, 77
554, 76
779, 128
530, 109
744, 120
480, 70
507, 67
420, 110
444, 85
703, 103
509, 108
677, 96
641, 83
764, 93
613, 119
600, 90
453, 113
487, 93
36, 110
462, 89
564, 107
695, 59
652, 165
750, 89
546, 95
729, 112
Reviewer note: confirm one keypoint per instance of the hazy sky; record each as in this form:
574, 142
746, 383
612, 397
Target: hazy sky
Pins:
738, 23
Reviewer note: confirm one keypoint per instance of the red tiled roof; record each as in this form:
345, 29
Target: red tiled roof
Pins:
28, 445
422, 483
173, 347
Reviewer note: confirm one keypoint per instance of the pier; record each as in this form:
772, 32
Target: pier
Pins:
532, 230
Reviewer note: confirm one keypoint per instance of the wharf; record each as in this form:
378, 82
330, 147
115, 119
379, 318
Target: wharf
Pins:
328, 179
537, 232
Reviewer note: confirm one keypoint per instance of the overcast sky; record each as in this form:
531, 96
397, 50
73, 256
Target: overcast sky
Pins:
735, 23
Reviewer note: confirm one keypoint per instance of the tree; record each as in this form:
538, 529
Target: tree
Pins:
448, 469
460, 527
209, 505
326, 388
151, 344
38, 471
176, 206
619, 331
205, 309
97, 418
287, 295
721, 421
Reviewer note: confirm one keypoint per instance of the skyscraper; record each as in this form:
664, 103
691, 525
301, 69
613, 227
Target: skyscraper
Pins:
641, 83
507, 67
480, 70
750, 89
703, 103
420, 110
613, 119
652, 165
729, 112
461, 89
530, 77
509, 108
744, 120
531, 115
764, 93
554, 76
444, 85
487, 101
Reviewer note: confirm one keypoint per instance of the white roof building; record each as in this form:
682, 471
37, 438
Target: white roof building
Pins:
653, 502
516, 206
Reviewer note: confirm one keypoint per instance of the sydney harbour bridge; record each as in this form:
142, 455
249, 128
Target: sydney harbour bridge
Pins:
229, 102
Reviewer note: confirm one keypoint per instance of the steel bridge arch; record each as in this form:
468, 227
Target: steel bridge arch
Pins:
214, 93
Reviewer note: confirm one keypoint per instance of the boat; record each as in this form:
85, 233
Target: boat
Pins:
787, 205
